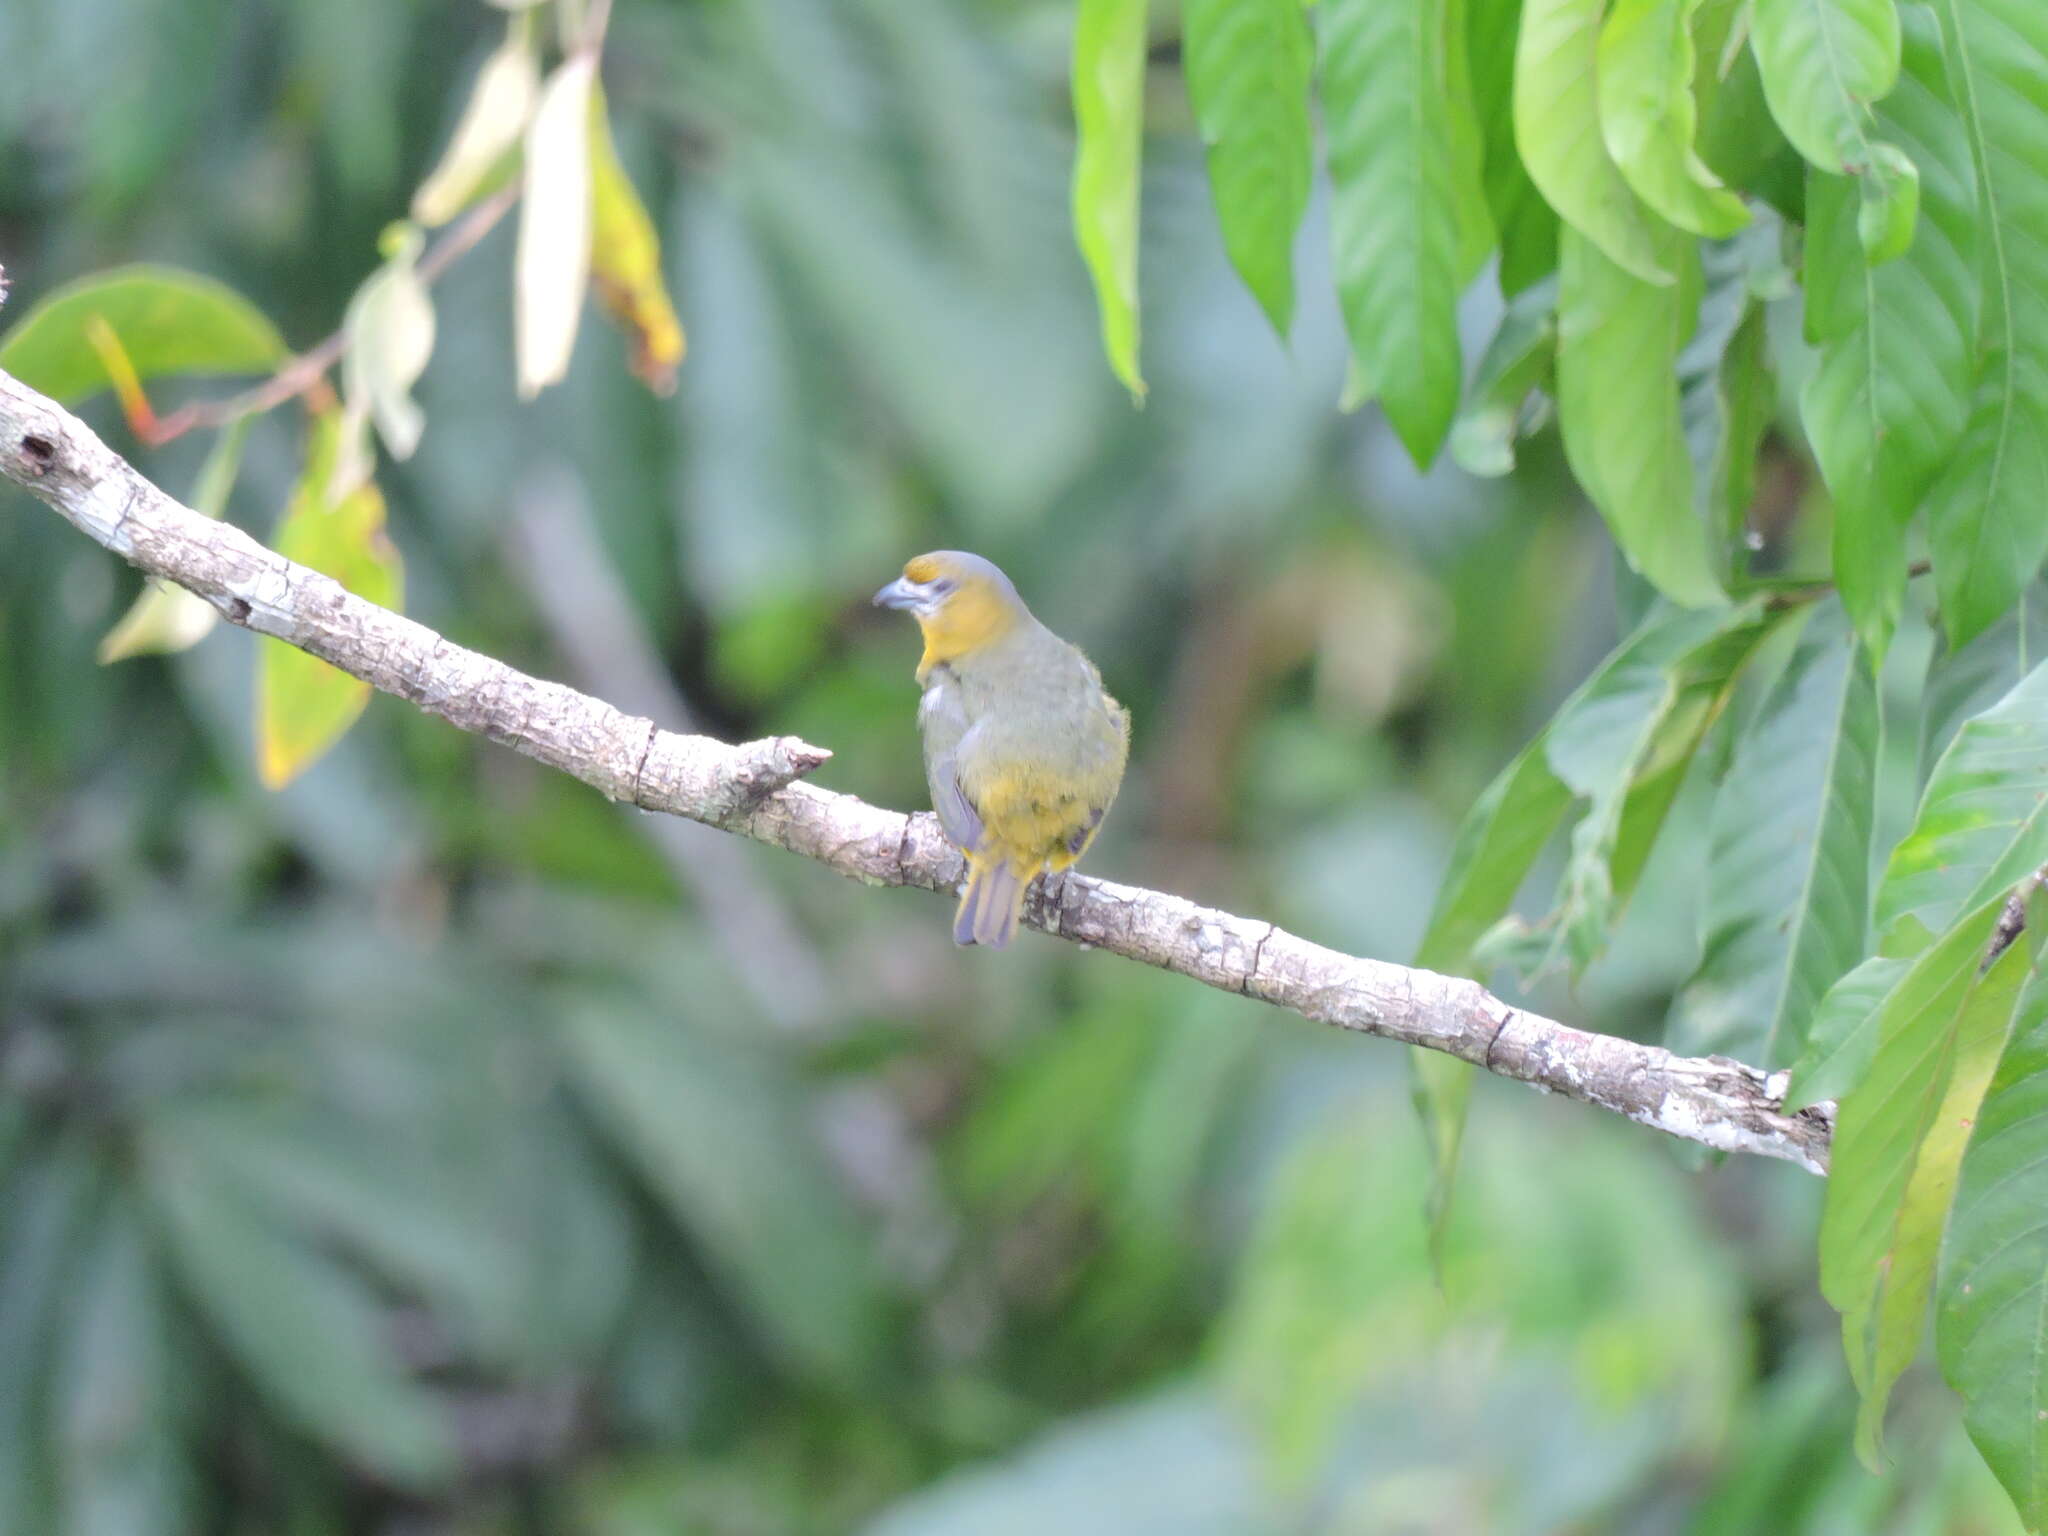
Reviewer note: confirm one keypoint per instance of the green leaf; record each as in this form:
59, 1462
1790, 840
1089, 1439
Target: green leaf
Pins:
1788, 868
1982, 822
1843, 1034
1619, 341
1886, 402
1648, 116
165, 618
308, 1332
1248, 67
1109, 116
551, 266
1727, 394
168, 321
1824, 63
1399, 201
1557, 129
1626, 745
1526, 224
1985, 512
303, 705
727, 1147
1994, 1268
1898, 1145
1964, 681
1517, 363
119, 1416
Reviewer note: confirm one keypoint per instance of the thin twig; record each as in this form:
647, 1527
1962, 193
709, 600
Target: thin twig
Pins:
753, 790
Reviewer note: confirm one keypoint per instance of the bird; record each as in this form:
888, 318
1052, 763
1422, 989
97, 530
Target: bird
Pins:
1023, 748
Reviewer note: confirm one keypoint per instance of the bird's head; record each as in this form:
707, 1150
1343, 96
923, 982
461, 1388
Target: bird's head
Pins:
960, 601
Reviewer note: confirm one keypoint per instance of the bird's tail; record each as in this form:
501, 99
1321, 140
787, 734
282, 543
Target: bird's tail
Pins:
991, 904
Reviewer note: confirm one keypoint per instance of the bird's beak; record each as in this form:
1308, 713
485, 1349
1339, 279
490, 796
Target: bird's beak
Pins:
900, 593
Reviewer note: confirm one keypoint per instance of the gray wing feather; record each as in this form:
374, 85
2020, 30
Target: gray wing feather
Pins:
945, 732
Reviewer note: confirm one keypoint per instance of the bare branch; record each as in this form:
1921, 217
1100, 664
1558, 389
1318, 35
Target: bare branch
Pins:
753, 789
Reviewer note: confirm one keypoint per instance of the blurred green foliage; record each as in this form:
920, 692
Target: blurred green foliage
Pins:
400, 1152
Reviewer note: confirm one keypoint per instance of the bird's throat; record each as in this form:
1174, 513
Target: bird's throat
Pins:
969, 620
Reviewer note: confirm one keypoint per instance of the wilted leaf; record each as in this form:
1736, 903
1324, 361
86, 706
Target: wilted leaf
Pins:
1109, 115
551, 268
625, 261
390, 328
479, 153
168, 322
303, 705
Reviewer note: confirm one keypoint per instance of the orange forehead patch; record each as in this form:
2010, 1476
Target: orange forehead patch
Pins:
924, 568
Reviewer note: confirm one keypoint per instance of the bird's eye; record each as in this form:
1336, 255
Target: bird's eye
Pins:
941, 585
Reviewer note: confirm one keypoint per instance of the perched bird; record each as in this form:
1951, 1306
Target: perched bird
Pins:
1023, 748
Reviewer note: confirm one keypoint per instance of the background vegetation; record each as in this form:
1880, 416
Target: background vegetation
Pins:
425, 1147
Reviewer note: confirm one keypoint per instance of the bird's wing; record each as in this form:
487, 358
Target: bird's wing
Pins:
946, 729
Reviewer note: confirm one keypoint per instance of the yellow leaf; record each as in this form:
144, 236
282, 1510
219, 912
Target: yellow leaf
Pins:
488, 132
625, 256
304, 706
551, 269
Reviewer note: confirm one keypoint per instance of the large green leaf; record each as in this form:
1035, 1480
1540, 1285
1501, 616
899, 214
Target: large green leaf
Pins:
167, 321
1557, 129
1788, 868
1985, 512
1842, 1036
1981, 825
724, 1143
120, 1413
1401, 202
1648, 115
1888, 397
1823, 63
1248, 66
1525, 223
1109, 115
309, 1333
1993, 1293
1963, 681
1898, 1145
1619, 341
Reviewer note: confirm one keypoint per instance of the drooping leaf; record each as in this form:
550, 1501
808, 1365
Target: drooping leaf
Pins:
1517, 363
1982, 822
1898, 1145
1618, 345
1648, 116
1109, 116
625, 261
303, 705
1727, 393
1984, 513
1824, 62
551, 267
725, 1146
165, 618
487, 135
1525, 223
1557, 129
1788, 865
1398, 204
119, 1420
168, 321
1887, 399
1994, 1268
1248, 65
309, 1333
390, 328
